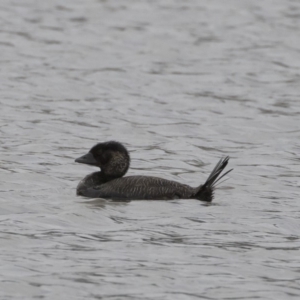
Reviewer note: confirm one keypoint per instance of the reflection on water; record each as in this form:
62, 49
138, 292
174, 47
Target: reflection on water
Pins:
181, 85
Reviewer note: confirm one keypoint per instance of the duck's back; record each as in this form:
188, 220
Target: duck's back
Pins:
141, 187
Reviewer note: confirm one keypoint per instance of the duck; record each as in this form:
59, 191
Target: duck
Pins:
113, 160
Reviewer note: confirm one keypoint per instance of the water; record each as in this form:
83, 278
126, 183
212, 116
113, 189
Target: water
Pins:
181, 84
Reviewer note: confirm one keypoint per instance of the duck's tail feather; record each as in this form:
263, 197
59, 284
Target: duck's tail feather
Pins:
205, 192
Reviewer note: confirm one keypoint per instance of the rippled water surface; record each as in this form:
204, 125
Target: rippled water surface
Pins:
181, 84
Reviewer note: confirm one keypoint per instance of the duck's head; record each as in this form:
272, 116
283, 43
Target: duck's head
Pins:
111, 157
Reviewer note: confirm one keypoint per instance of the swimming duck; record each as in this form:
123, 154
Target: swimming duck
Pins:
113, 159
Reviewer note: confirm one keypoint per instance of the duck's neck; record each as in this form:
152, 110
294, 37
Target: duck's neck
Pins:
98, 178
92, 180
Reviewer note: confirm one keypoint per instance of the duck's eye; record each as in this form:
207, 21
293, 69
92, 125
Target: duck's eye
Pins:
105, 157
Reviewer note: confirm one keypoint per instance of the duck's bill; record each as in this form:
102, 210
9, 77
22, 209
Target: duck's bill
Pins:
87, 159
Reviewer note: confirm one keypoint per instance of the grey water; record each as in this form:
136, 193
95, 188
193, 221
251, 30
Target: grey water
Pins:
181, 84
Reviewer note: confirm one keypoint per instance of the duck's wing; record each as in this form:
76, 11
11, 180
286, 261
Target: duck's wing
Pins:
139, 188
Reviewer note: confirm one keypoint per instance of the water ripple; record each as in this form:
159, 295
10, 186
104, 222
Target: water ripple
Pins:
181, 85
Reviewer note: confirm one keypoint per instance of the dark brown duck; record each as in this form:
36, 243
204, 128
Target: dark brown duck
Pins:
113, 159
